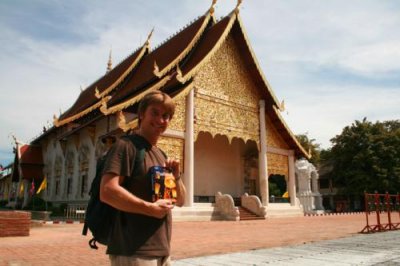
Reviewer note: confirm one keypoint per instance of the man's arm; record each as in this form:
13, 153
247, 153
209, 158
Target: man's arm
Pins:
112, 193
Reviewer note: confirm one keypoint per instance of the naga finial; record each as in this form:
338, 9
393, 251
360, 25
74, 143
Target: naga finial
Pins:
212, 8
149, 36
156, 70
97, 93
239, 2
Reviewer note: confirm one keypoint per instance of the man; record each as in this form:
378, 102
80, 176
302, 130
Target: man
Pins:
141, 233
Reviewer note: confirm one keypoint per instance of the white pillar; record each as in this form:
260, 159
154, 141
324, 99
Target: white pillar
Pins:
188, 177
262, 157
292, 180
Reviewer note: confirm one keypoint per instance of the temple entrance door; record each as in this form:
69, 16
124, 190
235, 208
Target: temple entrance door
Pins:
219, 167
250, 169
278, 191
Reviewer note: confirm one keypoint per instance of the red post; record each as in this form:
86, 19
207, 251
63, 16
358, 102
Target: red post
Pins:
367, 210
377, 207
387, 200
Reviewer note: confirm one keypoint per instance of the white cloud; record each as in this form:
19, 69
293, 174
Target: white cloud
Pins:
375, 59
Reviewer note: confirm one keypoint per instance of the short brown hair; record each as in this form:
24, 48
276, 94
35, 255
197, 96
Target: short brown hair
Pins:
156, 97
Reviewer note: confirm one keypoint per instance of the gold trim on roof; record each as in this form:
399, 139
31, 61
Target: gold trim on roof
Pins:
58, 123
277, 112
126, 126
194, 70
185, 52
122, 124
239, 2
135, 99
269, 88
123, 76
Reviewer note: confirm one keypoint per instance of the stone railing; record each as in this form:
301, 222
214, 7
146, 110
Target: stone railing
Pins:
14, 223
226, 207
253, 204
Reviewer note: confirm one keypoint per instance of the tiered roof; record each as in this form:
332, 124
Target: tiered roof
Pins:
170, 68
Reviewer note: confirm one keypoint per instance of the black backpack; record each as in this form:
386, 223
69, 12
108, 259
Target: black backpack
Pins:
99, 216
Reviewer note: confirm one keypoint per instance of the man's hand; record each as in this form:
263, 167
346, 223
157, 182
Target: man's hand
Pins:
161, 208
174, 166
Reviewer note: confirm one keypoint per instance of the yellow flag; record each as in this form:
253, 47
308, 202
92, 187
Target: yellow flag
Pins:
43, 186
21, 189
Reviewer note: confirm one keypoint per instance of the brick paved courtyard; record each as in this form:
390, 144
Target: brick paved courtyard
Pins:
63, 244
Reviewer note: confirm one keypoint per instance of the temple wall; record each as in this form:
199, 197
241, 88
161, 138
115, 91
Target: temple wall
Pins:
73, 158
178, 121
174, 148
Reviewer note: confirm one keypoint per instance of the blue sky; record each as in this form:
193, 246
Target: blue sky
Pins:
332, 62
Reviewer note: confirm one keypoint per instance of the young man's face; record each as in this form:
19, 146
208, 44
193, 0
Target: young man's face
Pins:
155, 119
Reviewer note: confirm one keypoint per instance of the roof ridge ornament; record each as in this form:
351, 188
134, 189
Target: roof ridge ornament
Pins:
109, 63
212, 8
149, 37
179, 75
156, 70
239, 2
97, 93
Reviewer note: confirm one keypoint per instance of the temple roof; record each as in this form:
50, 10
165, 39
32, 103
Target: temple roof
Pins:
171, 67
28, 162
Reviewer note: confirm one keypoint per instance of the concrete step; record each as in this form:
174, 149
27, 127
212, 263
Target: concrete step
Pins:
198, 212
277, 210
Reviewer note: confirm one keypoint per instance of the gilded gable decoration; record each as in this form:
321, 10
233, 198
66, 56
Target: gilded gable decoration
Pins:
185, 77
226, 99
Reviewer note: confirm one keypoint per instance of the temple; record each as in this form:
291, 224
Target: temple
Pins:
234, 147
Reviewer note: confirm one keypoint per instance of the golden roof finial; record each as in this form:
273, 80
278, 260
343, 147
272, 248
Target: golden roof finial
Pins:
55, 120
156, 70
179, 75
104, 108
239, 2
109, 63
282, 106
149, 36
212, 9
97, 93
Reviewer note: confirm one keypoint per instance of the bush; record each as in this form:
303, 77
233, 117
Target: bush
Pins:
37, 204
57, 211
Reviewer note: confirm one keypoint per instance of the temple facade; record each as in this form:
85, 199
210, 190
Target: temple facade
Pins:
227, 131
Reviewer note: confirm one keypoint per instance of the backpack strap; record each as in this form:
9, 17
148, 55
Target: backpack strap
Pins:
140, 148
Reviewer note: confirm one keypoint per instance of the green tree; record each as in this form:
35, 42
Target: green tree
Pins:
311, 147
366, 157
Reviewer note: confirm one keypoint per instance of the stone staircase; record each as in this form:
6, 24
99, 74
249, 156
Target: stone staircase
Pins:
278, 210
246, 215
